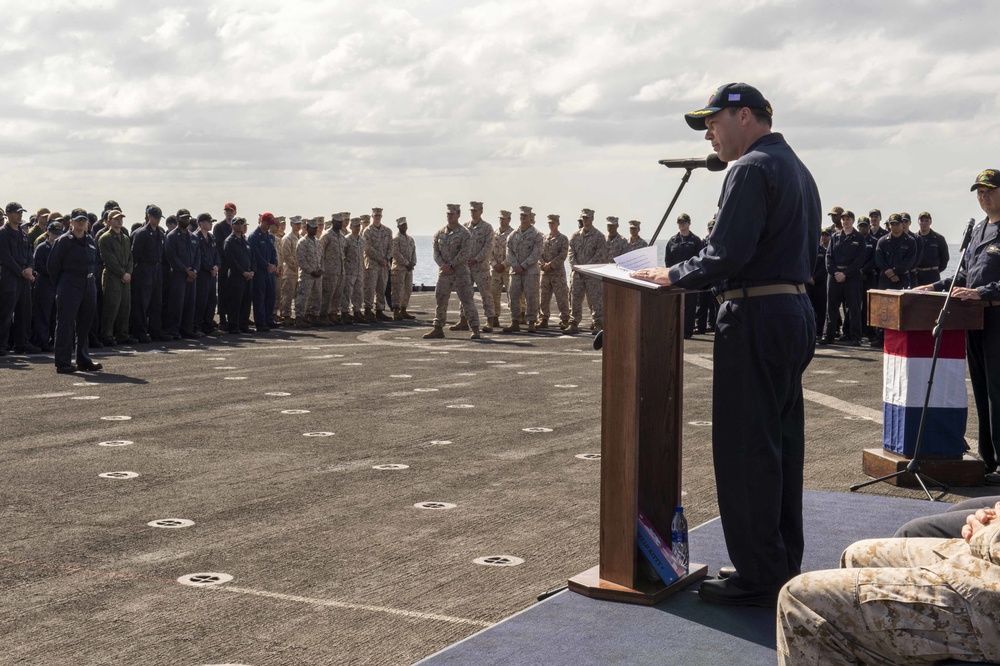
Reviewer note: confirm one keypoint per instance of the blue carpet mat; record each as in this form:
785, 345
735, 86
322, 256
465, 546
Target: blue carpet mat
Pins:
571, 629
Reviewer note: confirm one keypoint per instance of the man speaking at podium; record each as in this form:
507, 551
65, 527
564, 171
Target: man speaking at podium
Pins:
759, 256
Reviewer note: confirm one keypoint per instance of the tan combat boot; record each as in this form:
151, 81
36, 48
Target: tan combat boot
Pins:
462, 325
531, 326
323, 320
335, 319
406, 315
475, 334
572, 329
486, 327
495, 322
359, 318
397, 315
369, 315
542, 323
380, 315
346, 318
513, 328
301, 322
436, 332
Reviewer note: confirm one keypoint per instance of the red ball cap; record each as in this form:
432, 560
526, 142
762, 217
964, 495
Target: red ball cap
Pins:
229, 206
268, 218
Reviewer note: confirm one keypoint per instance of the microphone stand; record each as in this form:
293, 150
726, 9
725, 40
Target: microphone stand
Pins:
684, 180
913, 467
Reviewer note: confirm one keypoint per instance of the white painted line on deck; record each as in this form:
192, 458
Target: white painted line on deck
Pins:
330, 603
812, 396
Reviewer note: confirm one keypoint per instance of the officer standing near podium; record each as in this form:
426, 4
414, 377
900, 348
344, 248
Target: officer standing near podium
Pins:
760, 255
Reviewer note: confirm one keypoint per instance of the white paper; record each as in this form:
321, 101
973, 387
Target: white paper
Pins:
644, 257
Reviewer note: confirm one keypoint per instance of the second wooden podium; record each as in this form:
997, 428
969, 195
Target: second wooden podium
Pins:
642, 387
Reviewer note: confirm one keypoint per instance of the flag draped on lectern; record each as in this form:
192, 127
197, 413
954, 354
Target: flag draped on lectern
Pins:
906, 369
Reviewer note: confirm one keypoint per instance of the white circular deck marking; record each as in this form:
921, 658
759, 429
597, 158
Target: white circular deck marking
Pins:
440, 352
425, 390
216, 358
295, 411
278, 394
462, 362
497, 362
465, 374
527, 372
439, 442
700, 424
171, 523
318, 434
567, 386
403, 338
86, 384
847, 381
204, 579
391, 466
235, 379
350, 364
116, 442
536, 429
118, 475
224, 367
589, 456
824, 372
311, 348
400, 376
436, 506
460, 406
499, 561
321, 358
116, 418
857, 418
86, 397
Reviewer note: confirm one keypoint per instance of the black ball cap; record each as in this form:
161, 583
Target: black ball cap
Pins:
14, 207
111, 203
205, 217
183, 215
154, 211
731, 95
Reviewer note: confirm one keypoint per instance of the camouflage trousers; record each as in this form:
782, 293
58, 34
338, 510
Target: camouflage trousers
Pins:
880, 608
287, 290
460, 283
525, 286
497, 282
352, 294
375, 279
308, 297
481, 278
554, 283
402, 287
591, 286
333, 293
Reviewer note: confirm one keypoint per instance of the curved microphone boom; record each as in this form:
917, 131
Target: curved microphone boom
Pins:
712, 163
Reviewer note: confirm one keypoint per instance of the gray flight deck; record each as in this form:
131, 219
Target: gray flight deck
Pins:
330, 560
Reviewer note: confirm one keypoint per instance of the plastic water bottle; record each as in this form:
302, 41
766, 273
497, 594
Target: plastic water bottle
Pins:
679, 536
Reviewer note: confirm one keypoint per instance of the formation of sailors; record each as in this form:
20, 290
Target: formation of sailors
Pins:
69, 283
853, 259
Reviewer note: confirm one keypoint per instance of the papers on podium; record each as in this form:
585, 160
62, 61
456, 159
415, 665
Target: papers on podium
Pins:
619, 269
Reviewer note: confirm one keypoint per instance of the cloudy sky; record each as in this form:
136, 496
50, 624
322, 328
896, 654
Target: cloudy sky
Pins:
313, 107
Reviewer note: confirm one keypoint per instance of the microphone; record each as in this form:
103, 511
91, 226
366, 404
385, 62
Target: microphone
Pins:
968, 235
712, 163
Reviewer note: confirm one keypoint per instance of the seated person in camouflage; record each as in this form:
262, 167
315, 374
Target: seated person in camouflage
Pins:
899, 601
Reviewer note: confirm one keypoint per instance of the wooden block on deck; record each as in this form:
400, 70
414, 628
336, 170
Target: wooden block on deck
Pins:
965, 471
590, 584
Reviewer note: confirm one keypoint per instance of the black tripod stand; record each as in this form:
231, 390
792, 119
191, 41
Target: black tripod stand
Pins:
913, 467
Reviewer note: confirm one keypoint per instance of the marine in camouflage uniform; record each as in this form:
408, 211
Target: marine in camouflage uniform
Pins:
404, 258
555, 249
635, 241
586, 246
378, 257
898, 601
617, 245
524, 249
332, 245
479, 267
309, 263
289, 269
452, 249
499, 273
354, 250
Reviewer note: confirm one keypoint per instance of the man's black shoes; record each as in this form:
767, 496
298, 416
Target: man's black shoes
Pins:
88, 366
65, 369
728, 592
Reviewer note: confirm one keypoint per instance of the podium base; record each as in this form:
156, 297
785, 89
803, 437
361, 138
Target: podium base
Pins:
590, 584
962, 472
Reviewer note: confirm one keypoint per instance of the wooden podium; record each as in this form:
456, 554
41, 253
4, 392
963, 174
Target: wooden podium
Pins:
642, 390
910, 316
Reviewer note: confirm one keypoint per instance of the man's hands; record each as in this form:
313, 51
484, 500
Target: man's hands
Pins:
978, 521
839, 276
658, 275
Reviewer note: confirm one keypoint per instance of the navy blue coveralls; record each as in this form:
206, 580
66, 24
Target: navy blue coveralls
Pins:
934, 257
220, 232
766, 233
71, 265
206, 299
264, 285
147, 282
817, 290
43, 299
982, 273
181, 249
899, 254
15, 289
681, 248
239, 291
846, 255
